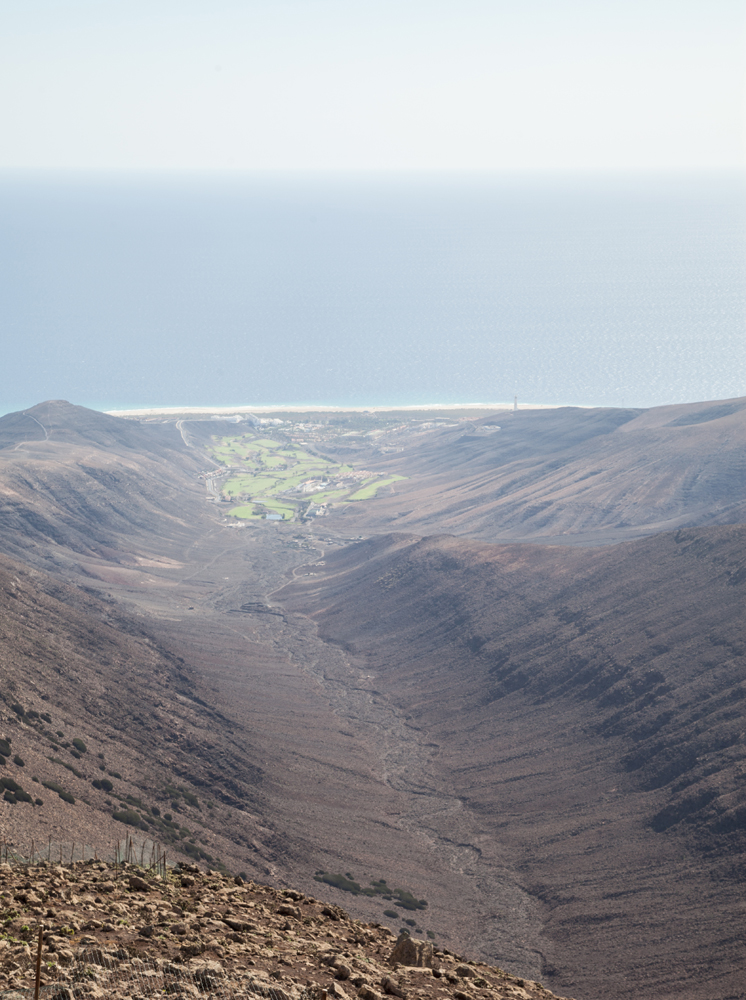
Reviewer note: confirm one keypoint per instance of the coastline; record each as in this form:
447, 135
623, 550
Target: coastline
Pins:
208, 411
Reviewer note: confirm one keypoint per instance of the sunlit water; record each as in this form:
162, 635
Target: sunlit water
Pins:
127, 292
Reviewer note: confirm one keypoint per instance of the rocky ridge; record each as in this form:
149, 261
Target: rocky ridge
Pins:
107, 928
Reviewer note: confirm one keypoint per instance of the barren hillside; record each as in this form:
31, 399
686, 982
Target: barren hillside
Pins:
543, 742
104, 721
120, 930
587, 707
85, 494
566, 476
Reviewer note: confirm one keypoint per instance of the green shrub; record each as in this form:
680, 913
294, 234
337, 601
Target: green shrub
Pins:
10, 784
195, 852
343, 882
347, 883
407, 901
4, 747
391, 913
70, 767
411, 923
431, 935
128, 816
9, 797
75, 754
80, 745
18, 709
47, 718
22, 796
19, 761
31, 714
39, 802
114, 774
63, 794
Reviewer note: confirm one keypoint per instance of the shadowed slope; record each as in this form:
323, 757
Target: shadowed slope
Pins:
588, 707
75, 667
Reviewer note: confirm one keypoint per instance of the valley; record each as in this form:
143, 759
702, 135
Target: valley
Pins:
509, 681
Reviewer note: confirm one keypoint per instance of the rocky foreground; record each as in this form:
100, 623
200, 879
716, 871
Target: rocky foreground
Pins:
126, 932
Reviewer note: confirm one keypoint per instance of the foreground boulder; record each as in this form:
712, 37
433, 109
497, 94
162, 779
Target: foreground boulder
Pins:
410, 951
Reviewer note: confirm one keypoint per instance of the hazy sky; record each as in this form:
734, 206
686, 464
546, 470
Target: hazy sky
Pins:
372, 84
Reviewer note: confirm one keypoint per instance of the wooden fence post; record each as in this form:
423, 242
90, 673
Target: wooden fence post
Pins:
38, 963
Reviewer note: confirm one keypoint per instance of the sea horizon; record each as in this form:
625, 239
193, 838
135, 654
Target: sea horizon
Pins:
412, 407
222, 410
124, 291
244, 408
320, 408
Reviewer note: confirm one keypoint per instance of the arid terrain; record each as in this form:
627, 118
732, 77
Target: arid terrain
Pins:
543, 741
120, 930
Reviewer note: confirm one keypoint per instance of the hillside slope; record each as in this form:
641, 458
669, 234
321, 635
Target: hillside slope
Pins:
82, 493
208, 934
588, 706
75, 667
566, 476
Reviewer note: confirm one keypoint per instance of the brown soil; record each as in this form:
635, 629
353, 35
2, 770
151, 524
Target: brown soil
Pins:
105, 925
585, 707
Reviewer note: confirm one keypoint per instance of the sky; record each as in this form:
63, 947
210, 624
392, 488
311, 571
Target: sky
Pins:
372, 84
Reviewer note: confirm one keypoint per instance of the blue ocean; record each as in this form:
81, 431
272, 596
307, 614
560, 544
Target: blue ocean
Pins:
371, 290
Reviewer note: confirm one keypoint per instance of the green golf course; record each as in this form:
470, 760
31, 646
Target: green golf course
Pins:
270, 477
